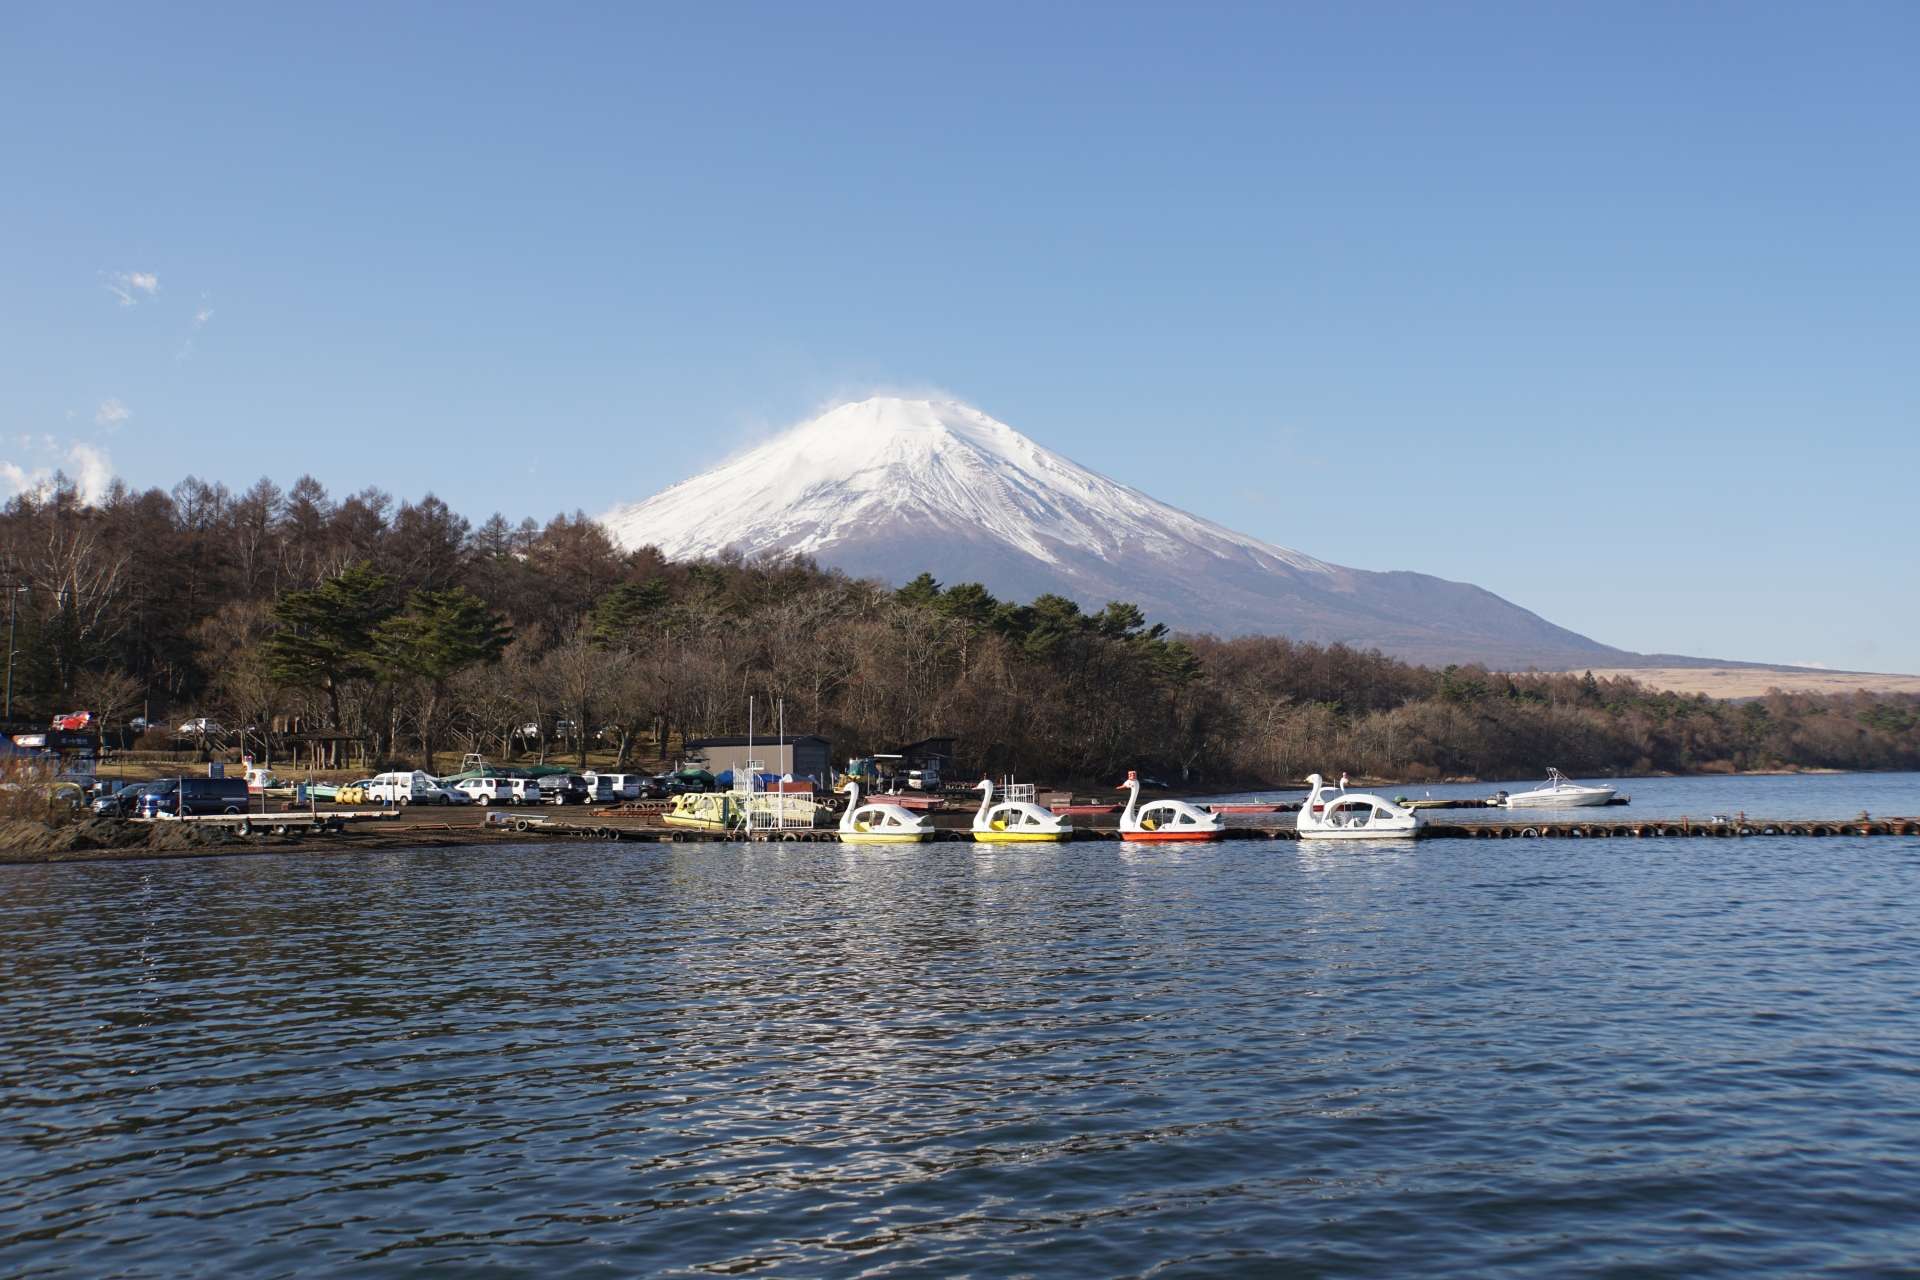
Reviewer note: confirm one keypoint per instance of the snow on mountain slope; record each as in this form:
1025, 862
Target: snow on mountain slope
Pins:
891, 488
886, 459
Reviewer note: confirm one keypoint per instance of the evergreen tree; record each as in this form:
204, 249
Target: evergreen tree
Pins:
326, 635
439, 635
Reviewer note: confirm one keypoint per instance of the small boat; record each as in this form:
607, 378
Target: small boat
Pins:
880, 823
1164, 820
1334, 813
705, 811
1015, 821
1558, 793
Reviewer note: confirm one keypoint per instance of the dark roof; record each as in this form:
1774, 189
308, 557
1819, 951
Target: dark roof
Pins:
741, 740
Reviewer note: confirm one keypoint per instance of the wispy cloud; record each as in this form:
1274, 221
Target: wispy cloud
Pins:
87, 466
111, 413
131, 287
92, 472
201, 315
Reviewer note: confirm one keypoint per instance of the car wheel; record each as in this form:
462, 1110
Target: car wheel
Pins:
483, 801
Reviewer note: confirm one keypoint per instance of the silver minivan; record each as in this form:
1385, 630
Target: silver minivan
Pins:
615, 787
500, 790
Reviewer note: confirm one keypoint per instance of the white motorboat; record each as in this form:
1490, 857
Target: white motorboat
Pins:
1558, 793
1334, 813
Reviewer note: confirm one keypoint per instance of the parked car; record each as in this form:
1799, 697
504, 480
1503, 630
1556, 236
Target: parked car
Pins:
194, 797
411, 787
122, 801
620, 786
200, 726
490, 791
564, 788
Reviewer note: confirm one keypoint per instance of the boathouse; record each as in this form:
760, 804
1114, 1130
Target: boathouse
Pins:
806, 755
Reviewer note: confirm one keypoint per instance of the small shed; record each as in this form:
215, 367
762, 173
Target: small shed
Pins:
928, 753
806, 755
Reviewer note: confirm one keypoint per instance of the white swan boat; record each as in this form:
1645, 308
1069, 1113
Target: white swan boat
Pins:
1164, 820
1334, 813
880, 823
1558, 793
1015, 821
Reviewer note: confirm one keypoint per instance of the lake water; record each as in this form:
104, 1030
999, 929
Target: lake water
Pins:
1454, 1058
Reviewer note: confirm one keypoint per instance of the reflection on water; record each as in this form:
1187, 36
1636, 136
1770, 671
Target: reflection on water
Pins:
1449, 1057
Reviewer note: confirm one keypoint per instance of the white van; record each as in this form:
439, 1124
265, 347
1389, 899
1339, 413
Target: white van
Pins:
499, 790
417, 787
617, 786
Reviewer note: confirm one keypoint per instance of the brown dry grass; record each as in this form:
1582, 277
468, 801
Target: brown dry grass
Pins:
1746, 682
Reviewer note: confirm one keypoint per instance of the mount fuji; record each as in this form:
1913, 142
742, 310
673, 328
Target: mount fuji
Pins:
890, 488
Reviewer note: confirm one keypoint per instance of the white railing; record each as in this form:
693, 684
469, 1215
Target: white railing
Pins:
779, 811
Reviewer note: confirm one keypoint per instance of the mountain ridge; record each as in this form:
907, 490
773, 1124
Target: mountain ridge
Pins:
889, 488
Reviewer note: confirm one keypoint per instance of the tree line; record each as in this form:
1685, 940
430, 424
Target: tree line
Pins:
407, 628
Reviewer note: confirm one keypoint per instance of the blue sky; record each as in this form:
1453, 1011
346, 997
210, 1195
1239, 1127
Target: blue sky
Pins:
1612, 309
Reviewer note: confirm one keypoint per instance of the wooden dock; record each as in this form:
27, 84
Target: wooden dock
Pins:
606, 827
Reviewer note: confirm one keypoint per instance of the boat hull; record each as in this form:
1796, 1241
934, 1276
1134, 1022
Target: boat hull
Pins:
1021, 837
1581, 800
885, 837
1169, 837
1370, 833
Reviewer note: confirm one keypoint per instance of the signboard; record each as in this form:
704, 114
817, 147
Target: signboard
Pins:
29, 739
73, 721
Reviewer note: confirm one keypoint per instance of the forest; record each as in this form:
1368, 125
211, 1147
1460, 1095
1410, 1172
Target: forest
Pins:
403, 627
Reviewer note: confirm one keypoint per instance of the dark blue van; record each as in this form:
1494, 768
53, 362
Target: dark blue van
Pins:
195, 797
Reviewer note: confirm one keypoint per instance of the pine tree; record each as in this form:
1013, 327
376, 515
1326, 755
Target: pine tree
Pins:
439, 635
326, 635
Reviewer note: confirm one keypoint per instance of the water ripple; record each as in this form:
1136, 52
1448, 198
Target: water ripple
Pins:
1456, 1058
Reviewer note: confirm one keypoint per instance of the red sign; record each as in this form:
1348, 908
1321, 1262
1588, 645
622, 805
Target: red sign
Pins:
73, 721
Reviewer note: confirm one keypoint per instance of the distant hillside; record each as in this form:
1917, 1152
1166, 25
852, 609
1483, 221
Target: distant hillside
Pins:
1729, 681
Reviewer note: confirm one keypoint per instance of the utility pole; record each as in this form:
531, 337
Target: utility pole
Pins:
13, 591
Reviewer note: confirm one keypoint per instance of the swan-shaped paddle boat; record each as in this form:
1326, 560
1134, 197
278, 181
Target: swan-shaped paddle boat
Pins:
1015, 821
1164, 820
1334, 813
880, 823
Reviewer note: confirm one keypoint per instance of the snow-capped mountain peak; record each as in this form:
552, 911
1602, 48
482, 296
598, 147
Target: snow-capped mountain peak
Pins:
891, 488
892, 460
